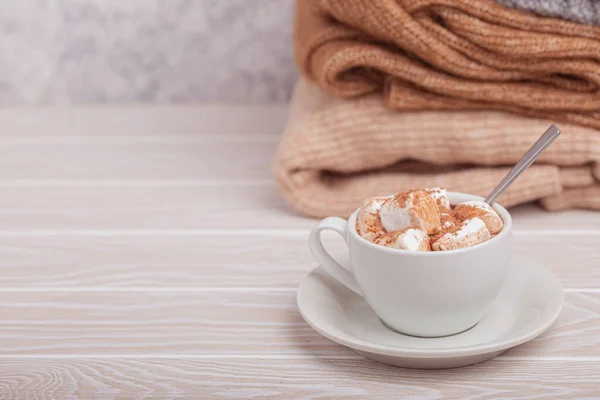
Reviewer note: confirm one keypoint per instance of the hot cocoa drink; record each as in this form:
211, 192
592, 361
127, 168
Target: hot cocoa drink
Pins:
423, 220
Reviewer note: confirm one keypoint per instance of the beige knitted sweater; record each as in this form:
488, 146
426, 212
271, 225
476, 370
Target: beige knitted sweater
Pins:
451, 55
335, 153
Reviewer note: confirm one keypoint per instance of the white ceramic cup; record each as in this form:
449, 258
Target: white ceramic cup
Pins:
426, 294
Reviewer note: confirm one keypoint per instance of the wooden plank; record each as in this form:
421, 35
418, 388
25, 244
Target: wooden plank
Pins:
144, 120
115, 207
117, 323
192, 207
228, 260
575, 259
210, 160
306, 379
121, 322
533, 218
575, 333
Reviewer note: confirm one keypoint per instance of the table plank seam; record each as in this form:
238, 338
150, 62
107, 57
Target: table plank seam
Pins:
263, 356
185, 289
200, 138
93, 182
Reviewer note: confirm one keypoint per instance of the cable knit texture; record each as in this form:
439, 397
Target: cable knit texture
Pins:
451, 55
334, 153
583, 11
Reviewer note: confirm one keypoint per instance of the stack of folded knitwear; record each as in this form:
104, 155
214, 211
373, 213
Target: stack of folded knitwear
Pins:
397, 94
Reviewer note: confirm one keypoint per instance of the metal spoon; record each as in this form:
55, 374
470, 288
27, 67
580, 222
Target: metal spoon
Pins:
529, 157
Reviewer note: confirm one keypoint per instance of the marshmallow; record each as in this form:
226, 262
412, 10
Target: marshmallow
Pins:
368, 223
409, 239
414, 209
440, 195
470, 233
481, 210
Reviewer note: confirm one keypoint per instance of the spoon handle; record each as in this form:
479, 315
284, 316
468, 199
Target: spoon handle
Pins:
544, 141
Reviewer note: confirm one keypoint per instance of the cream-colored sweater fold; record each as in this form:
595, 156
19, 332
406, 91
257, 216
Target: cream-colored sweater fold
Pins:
334, 153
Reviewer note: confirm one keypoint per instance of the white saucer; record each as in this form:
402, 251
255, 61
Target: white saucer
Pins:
527, 306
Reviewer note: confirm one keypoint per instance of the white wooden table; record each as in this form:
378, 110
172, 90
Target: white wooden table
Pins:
145, 253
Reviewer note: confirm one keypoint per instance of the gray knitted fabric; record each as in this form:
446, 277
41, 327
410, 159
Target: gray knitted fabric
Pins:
583, 11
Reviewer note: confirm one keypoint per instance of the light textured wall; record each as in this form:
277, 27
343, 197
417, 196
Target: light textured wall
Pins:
116, 51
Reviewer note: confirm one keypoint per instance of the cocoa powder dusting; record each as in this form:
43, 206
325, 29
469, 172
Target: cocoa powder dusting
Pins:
462, 213
426, 245
389, 237
426, 208
446, 229
446, 218
375, 229
402, 197
436, 219
444, 210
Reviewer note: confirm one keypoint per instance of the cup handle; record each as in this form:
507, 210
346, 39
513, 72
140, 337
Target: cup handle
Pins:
332, 267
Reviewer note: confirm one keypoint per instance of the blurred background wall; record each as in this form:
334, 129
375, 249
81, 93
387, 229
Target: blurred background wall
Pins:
151, 51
